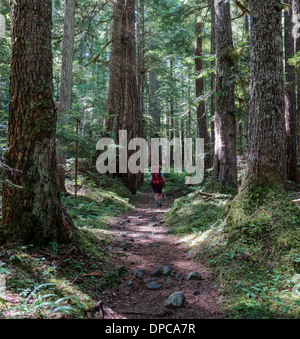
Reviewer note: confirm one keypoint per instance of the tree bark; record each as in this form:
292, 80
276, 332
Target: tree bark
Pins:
65, 97
213, 76
171, 114
263, 215
201, 108
225, 163
141, 57
267, 138
154, 104
296, 11
32, 210
66, 83
115, 68
129, 117
290, 97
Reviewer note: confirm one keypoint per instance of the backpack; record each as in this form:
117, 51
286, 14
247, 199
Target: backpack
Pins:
158, 180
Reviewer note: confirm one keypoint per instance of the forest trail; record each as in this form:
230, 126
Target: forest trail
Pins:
146, 245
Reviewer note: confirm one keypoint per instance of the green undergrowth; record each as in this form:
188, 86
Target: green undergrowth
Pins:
59, 281
265, 216
175, 183
253, 252
98, 200
214, 186
193, 214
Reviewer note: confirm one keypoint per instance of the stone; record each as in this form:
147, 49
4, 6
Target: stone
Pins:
149, 280
139, 273
178, 276
155, 245
175, 300
194, 276
154, 286
167, 270
157, 271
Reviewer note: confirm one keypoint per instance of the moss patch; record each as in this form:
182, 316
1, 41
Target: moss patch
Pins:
253, 251
192, 213
265, 216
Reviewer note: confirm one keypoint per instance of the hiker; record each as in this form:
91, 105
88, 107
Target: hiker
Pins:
157, 181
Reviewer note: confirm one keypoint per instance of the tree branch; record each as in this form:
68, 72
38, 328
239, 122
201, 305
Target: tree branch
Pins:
98, 55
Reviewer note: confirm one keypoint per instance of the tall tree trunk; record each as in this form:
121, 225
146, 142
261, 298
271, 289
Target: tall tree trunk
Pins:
65, 97
66, 83
225, 163
296, 11
247, 31
154, 104
172, 113
201, 108
189, 134
262, 214
153, 99
32, 210
141, 57
290, 97
115, 68
129, 117
213, 64
267, 137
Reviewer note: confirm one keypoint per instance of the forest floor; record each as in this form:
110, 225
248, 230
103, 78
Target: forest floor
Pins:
150, 245
130, 257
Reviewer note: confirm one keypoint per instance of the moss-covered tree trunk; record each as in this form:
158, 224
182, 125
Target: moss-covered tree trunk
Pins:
267, 135
262, 214
32, 210
225, 163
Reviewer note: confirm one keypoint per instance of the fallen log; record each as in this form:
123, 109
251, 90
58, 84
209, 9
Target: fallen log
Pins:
214, 195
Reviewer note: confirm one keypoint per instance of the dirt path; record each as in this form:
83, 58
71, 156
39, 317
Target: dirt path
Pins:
147, 244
